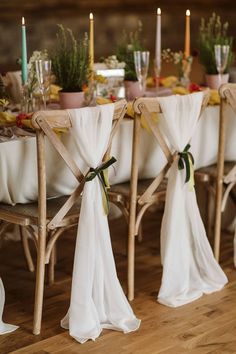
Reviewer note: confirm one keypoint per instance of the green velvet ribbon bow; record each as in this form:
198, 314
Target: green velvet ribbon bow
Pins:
101, 173
186, 160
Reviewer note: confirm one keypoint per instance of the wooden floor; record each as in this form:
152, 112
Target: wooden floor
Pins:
207, 326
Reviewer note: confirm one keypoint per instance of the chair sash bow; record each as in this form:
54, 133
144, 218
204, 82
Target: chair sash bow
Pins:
186, 160
100, 172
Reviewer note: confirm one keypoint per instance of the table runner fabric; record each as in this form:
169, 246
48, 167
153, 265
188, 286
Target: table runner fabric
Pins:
97, 299
4, 327
189, 267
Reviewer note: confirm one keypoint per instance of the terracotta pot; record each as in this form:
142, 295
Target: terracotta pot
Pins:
132, 90
71, 99
214, 81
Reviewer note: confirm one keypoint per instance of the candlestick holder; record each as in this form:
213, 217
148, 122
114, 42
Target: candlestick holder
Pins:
157, 73
185, 70
27, 100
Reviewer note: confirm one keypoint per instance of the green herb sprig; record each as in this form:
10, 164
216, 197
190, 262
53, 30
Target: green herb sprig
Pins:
70, 61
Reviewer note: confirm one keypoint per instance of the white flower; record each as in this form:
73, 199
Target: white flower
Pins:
113, 63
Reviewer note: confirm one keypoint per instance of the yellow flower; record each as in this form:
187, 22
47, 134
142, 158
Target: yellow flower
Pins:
100, 79
180, 90
103, 100
54, 89
130, 111
214, 98
169, 81
4, 102
6, 117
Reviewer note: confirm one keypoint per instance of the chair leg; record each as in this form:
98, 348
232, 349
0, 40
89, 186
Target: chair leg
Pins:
39, 289
26, 248
140, 233
51, 266
131, 257
210, 210
217, 232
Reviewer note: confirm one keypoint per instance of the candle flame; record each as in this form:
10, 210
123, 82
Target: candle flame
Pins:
23, 21
188, 13
91, 16
158, 11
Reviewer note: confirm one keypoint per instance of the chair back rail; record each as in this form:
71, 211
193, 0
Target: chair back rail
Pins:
145, 106
44, 122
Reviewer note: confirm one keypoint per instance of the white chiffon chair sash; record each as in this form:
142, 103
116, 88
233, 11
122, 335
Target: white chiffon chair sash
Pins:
97, 299
4, 327
189, 267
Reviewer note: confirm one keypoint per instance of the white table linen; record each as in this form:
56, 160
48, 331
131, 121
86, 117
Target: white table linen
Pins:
189, 266
18, 169
97, 299
4, 327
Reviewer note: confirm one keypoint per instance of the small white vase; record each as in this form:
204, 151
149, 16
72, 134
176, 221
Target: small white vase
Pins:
71, 99
132, 90
214, 81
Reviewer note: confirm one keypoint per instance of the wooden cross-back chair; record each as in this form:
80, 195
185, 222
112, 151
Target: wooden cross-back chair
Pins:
145, 193
219, 174
133, 201
226, 170
53, 216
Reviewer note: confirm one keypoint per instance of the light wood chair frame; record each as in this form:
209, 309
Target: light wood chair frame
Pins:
146, 106
44, 123
227, 94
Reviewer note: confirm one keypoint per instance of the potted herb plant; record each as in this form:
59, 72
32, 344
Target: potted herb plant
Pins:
125, 53
70, 67
212, 33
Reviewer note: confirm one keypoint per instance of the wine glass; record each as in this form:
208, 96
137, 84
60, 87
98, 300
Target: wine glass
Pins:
141, 62
43, 74
221, 58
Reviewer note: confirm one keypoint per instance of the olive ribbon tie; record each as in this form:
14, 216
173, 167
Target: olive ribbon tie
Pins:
186, 161
101, 173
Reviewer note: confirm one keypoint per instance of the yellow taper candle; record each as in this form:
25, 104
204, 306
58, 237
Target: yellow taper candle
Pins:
91, 42
187, 35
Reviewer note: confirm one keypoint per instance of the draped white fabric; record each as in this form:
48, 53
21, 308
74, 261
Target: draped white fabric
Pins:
97, 299
189, 267
4, 327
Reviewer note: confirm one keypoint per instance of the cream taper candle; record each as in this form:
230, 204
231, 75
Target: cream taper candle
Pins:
158, 40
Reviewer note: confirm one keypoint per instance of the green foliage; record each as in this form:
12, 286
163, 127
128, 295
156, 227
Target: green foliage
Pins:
211, 33
125, 52
70, 61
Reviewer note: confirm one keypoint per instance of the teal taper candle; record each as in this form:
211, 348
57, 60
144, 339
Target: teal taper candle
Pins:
24, 68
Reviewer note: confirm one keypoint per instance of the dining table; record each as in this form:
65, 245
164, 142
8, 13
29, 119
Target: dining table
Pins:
18, 163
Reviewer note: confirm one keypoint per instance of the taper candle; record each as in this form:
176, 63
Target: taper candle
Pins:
24, 67
187, 35
158, 40
91, 42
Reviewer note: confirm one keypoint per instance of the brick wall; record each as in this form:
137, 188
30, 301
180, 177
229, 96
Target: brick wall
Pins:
111, 17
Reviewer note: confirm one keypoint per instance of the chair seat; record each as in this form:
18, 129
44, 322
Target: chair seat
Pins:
121, 192
209, 173
27, 214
